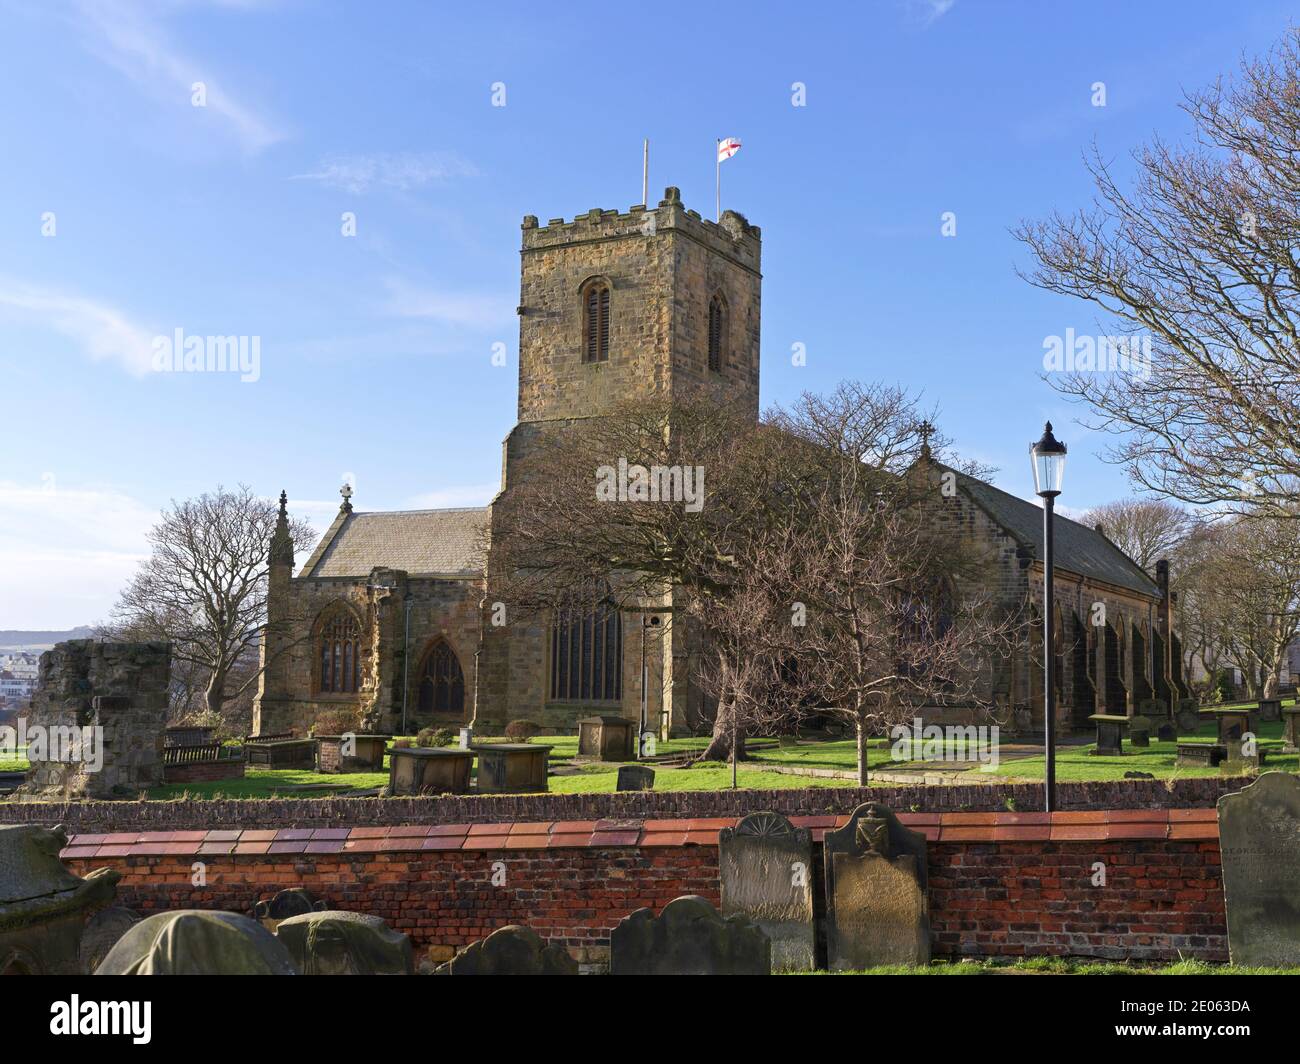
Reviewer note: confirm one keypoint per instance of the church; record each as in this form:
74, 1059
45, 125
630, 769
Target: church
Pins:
391, 617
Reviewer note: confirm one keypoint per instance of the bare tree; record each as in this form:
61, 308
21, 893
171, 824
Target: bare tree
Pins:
1241, 602
203, 587
1147, 530
1199, 257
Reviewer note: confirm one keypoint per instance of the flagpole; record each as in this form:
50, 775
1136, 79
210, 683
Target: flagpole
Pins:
645, 172
717, 171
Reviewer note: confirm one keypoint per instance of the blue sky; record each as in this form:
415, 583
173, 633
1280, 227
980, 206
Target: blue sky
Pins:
376, 349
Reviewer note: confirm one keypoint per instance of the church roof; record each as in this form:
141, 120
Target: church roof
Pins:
420, 542
1082, 550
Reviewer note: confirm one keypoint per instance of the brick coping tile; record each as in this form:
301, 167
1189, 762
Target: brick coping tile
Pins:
1189, 825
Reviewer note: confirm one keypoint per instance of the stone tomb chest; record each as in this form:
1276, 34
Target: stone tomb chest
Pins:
607, 738
429, 770
509, 768
351, 753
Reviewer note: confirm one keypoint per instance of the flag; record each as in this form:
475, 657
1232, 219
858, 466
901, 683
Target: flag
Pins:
727, 147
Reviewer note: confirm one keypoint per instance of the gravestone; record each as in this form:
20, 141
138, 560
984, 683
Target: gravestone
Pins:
1259, 843
295, 901
1270, 710
1166, 732
1139, 731
765, 866
877, 909
513, 950
332, 942
197, 942
690, 937
1110, 732
635, 778
1291, 729
43, 906
102, 933
1188, 717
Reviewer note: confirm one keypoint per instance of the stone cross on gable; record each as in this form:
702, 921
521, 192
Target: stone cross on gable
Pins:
926, 429
346, 492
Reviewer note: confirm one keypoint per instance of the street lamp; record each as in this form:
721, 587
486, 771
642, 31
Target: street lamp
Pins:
1049, 473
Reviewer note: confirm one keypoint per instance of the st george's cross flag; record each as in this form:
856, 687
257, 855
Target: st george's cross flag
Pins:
727, 147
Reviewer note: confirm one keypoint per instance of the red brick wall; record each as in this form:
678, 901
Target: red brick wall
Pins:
1000, 884
204, 771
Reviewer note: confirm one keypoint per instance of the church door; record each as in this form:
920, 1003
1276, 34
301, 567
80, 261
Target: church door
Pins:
442, 684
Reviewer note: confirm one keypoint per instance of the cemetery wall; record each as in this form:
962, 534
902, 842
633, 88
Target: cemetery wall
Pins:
104, 817
1001, 884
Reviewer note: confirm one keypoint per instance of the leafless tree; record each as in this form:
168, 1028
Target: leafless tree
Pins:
1199, 256
203, 588
1147, 530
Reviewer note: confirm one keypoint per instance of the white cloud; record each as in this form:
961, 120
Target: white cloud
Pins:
460, 495
103, 332
476, 310
358, 174
66, 552
929, 12
128, 37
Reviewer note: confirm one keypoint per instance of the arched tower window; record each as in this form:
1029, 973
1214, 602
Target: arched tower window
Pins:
339, 652
717, 332
595, 321
442, 684
587, 654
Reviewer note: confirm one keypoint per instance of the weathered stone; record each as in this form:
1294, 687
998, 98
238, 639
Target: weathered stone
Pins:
295, 901
197, 942
509, 768
1291, 729
429, 770
876, 892
1270, 710
332, 942
1259, 840
1201, 754
607, 738
1110, 732
635, 778
101, 934
689, 937
765, 866
513, 950
1139, 731
43, 906
1166, 732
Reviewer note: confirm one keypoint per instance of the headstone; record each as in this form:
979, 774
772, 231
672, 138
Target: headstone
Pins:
635, 778
1167, 732
101, 934
197, 942
1291, 729
876, 892
765, 867
1259, 843
43, 906
690, 937
466, 738
345, 943
1139, 731
1188, 717
295, 901
513, 950
1270, 710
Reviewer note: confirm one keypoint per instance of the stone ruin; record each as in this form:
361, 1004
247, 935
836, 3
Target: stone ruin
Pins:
94, 693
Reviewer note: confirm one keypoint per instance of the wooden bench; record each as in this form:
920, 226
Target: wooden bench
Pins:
195, 752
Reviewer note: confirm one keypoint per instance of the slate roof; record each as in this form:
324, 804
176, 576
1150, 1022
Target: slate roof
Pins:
1080, 549
421, 542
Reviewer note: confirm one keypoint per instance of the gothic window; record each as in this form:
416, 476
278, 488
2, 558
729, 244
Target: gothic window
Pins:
595, 321
717, 332
587, 655
339, 647
442, 684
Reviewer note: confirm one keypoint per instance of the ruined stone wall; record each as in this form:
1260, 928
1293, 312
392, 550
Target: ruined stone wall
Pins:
120, 691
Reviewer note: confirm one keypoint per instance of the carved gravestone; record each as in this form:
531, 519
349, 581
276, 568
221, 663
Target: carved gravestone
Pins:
295, 901
1259, 840
102, 933
513, 950
635, 778
1188, 716
690, 937
766, 871
1139, 731
1167, 732
876, 892
333, 942
43, 906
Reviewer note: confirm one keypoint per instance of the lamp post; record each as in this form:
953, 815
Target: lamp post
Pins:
1049, 471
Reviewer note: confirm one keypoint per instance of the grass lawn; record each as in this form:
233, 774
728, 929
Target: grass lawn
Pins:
1078, 763
1065, 966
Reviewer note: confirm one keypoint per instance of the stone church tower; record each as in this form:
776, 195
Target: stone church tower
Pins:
392, 613
653, 303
